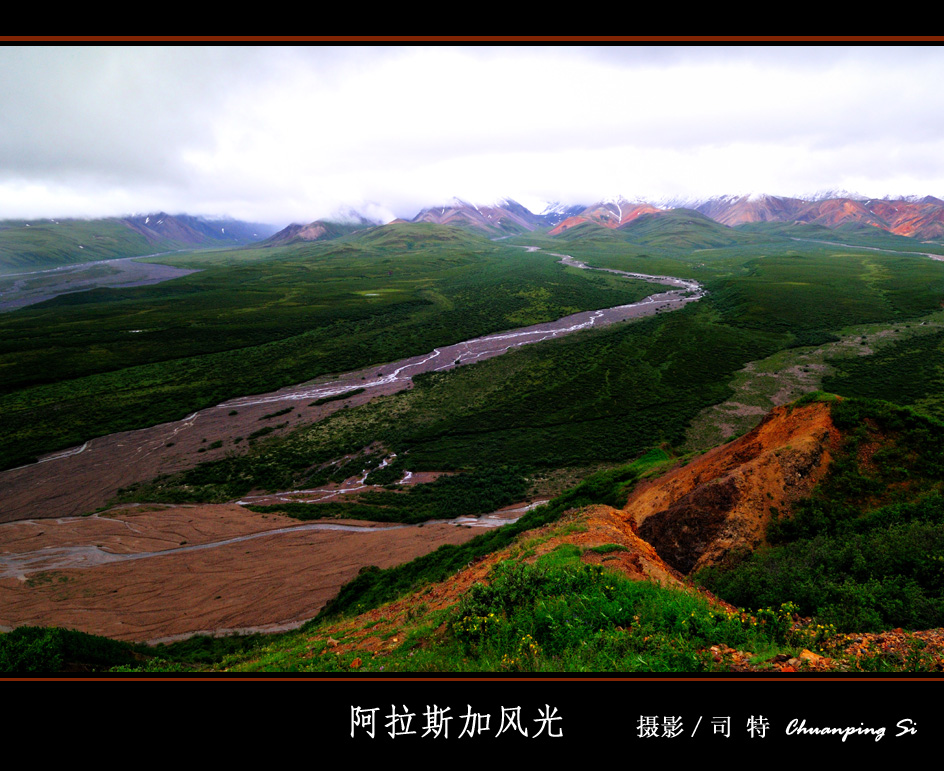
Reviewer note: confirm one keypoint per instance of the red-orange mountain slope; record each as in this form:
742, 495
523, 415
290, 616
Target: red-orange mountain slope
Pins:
725, 499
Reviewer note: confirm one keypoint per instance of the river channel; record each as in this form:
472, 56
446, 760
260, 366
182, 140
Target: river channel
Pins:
18, 290
82, 479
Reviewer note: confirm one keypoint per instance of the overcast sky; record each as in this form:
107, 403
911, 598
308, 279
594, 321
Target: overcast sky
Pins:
282, 134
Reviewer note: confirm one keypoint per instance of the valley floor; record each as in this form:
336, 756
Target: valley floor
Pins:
156, 573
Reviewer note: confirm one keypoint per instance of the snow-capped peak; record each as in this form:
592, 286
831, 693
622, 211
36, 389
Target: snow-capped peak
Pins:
828, 195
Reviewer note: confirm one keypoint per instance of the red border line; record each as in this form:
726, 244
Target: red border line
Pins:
472, 678
481, 38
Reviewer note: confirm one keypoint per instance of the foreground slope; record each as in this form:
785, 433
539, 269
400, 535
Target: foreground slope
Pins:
586, 585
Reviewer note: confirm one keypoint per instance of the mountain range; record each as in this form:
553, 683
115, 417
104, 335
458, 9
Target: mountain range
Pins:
717, 221
920, 218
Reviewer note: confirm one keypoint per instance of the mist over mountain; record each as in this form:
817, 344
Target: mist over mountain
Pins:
196, 230
49, 242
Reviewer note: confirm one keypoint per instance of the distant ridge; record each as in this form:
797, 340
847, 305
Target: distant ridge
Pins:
611, 213
505, 216
921, 218
185, 229
739, 210
682, 228
321, 230
27, 245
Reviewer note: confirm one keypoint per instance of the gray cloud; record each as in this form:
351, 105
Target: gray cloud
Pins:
291, 133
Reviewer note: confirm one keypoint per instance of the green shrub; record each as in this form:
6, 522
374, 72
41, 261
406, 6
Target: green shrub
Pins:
30, 649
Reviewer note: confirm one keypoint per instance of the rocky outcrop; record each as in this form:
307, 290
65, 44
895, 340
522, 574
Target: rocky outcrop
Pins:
724, 500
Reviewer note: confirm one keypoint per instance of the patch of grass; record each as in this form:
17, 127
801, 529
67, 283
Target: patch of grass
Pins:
447, 497
559, 615
277, 413
265, 431
337, 397
908, 372
607, 548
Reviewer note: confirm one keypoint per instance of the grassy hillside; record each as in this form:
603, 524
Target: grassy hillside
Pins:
27, 245
256, 320
683, 228
909, 372
31, 245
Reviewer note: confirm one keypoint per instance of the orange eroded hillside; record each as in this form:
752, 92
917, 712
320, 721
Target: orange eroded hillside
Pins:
725, 499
